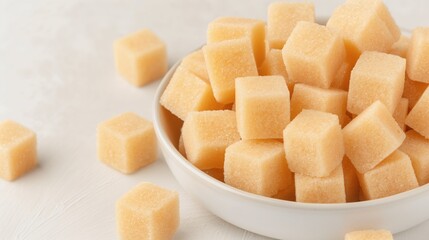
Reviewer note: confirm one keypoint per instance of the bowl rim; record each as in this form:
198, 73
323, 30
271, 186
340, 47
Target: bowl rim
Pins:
214, 183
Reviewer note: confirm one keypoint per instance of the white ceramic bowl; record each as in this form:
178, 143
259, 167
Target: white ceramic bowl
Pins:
278, 218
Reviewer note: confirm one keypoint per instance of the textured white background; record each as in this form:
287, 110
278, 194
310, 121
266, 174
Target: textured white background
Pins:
57, 77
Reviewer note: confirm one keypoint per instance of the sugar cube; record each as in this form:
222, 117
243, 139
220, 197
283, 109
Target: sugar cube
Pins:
325, 100
418, 55
207, 134
329, 189
393, 175
141, 57
186, 93
365, 25
400, 48
18, 153
371, 137
351, 181
417, 148
257, 166
401, 112
413, 91
195, 63
262, 106
274, 65
148, 212
313, 54
376, 76
126, 142
227, 28
369, 235
314, 143
342, 77
226, 61
283, 17
418, 116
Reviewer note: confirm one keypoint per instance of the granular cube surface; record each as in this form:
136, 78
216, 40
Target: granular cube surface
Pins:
283, 17
325, 100
227, 28
418, 55
417, 148
393, 175
418, 117
186, 93
226, 61
274, 65
400, 48
148, 212
257, 166
401, 112
262, 106
376, 76
313, 55
328, 189
126, 142
18, 153
314, 143
195, 63
207, 134
141, 57
371, 137
369, 235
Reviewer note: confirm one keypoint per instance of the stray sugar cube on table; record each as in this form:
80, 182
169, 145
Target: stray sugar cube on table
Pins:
126, 142
313, 55
141, 57
262, 107
227, 60
227, 28
417, 148
186, 93
18, 153
313, 143
283, 17
376, 76
417, 118
329, 189
393, 175
371, 137
257, 166
207, 134
148, 212
418, 55
369, 235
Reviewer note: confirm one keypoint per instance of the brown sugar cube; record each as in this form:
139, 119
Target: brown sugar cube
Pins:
257, 166
313, 143
195, 63
313, 55
186, 93
126, 142
18, 153
228, 28
371, 137
365, 25
351, 181
393, 175
274, 65
262, 106
401, 112
417, 148
148, 212
376, 76
369, 235
324, 100
283, 17
216, 173
342, 78
418, 55
226, 61
418, 116
207, 134
413, 91
400, 48
329, 189
141, 57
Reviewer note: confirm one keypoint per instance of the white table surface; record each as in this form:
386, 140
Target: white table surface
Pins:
57, 77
